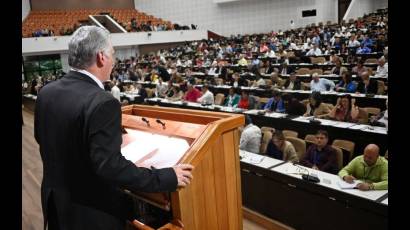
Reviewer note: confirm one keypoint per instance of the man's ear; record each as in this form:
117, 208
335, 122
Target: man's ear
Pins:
100, 59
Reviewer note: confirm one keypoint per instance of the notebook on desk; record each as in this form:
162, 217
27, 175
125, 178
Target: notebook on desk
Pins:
344, 185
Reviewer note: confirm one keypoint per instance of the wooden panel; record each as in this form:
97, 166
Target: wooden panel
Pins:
238, 174
231, 183
209, 191
198, 200
220, 185
182, 206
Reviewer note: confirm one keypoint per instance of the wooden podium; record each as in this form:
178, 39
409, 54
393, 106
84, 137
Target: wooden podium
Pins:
213, 199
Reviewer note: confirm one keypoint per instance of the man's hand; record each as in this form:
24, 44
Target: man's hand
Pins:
363, 186
349, 179
184, 175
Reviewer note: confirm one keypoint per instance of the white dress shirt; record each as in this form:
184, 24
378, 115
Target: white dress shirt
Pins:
207, 98
251, 139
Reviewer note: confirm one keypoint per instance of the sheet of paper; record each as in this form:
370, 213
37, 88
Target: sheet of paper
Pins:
154, 150
344, 185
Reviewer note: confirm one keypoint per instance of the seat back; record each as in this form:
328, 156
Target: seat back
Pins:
339, 156
303, 71
372, 110
299, 144
219, 98
289, 133
347, 148
150, 92
266, 128
266, 137
318, 71
371, 61
310, 139
380, 87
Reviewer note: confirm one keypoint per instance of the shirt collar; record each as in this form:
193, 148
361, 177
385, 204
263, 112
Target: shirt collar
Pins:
100, 84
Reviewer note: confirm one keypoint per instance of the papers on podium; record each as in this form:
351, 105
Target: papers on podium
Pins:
155, 150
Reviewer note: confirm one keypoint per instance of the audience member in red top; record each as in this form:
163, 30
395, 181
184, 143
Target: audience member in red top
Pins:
192, 94
244, 101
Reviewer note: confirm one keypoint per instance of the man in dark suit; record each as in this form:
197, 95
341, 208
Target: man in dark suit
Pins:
367, 85
292, 82
78, 128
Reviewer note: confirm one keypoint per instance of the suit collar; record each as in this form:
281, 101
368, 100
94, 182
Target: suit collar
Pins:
81, 76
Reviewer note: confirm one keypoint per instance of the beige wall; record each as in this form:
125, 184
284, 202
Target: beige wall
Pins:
80, 4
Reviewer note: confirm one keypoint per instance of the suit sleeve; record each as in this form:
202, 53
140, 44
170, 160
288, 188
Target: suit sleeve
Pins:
105, 140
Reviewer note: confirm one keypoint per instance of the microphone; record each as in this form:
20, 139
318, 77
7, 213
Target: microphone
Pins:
162, 123
306, 176
145, 120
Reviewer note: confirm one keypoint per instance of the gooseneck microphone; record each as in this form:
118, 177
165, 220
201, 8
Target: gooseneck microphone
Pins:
162, 123
145, 120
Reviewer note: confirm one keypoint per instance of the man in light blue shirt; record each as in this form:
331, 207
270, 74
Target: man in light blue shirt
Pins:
321, 84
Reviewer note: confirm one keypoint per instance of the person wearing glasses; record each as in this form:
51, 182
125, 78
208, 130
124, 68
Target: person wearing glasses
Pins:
370, 168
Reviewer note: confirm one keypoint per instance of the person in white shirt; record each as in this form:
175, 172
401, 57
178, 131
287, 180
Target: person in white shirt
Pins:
321, 84
214, 69
270, 53
115, 91
250, 137
315, 51
207, 96
161, 89
382, 68
353, 42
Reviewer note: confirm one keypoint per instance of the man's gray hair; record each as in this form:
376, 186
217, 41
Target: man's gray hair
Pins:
84, 45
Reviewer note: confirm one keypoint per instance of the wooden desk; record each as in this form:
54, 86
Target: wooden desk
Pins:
277, 194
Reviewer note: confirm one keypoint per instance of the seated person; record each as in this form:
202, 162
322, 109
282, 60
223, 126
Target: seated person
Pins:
292, 83
315, 107
175, 94
367, 85
293, 106
192, 94
281, 149
247, 101
207, 97
321, 84
346, 84
258, 81
275, 103
142, 92
381, 119
161, 88
238, 81
370, 168
321, 156
315, 51
345, 110
363, 50
242, 61
382, 68
250, 137
338, 69
277, 82
359, 68
232, 99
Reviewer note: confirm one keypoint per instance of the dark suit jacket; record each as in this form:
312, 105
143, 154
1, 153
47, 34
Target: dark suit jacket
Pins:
296, 85
78, 128
371, 88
